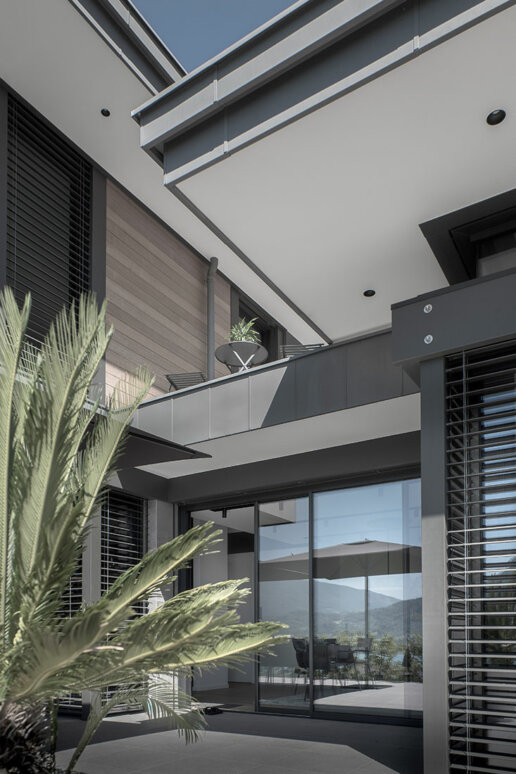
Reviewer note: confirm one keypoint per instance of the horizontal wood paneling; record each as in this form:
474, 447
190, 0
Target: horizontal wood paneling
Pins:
156, 291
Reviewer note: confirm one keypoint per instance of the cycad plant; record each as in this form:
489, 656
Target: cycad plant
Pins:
58, 448
244, 330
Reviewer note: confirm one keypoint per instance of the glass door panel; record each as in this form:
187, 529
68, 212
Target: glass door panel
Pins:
228, 688
367, 600
283, 572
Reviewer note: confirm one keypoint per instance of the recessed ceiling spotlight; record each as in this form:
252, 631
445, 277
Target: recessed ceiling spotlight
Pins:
496, 117
105, 112
369, 293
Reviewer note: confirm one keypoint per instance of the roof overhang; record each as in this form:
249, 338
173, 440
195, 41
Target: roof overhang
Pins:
67, 60
317, 147
142, 448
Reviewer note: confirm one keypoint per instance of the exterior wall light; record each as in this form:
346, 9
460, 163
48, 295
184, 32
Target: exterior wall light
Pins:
496, 117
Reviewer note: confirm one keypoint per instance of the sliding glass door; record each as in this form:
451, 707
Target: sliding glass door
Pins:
341, 569
367, 600
284, 577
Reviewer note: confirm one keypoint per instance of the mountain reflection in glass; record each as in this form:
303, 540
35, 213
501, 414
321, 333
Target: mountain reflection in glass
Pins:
367, 600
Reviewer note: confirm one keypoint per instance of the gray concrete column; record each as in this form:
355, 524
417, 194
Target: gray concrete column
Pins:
434, 566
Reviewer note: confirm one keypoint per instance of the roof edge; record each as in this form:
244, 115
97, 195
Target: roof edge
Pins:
133, 40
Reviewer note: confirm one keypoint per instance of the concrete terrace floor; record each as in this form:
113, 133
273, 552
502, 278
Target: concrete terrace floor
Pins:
216, 753
236, 743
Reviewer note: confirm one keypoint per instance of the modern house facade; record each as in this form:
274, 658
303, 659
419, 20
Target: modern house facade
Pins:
349, 165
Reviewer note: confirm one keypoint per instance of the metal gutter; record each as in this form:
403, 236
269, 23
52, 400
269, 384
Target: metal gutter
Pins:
227, 83
133, 40
247, 39
210, 293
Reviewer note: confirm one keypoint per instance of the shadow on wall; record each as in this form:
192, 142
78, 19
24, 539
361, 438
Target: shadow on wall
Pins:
331, 379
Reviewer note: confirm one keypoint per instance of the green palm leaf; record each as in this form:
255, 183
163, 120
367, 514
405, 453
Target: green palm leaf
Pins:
58, 448
13, 324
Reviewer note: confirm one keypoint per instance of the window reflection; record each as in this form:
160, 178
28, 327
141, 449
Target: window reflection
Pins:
367, 599
283, 588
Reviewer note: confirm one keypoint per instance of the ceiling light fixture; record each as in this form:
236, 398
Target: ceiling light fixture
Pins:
369, 293
496, 117
105, 112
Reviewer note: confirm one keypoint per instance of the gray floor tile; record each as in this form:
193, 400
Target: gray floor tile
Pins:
221, 753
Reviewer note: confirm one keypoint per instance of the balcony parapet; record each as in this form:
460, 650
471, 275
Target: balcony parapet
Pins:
334, 378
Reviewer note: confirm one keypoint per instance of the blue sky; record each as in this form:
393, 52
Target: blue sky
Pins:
196, 30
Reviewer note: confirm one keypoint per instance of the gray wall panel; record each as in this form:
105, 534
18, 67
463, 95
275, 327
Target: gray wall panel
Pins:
371, 375
191, 417
229, 411
156, 420
321, 382
272, 396
409, 385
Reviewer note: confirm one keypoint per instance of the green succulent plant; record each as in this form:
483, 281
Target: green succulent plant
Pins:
58, 449
244, 330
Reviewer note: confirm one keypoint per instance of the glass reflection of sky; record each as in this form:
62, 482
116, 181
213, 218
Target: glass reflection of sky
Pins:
386, 512
390, 513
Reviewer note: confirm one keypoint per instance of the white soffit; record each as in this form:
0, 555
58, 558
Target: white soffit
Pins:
329, 205
363, 423
56, 61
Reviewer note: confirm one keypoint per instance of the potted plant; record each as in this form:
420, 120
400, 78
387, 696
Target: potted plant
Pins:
244, 330
243, 348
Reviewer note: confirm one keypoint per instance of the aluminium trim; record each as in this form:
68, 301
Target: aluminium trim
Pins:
198, 107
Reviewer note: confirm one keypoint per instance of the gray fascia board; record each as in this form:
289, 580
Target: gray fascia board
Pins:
199, 71
187, 104
111, 19
463, 316
341, 20
216, 151
395, 455
148, 40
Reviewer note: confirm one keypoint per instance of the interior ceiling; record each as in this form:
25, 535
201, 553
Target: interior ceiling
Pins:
337, 428
329, 206
56, 61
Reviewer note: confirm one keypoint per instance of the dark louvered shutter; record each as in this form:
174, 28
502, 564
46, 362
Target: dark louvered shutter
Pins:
123, 544
48, 217
481, 468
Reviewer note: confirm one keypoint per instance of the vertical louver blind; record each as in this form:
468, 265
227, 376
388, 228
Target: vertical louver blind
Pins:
481, 519
48, 217
123, 544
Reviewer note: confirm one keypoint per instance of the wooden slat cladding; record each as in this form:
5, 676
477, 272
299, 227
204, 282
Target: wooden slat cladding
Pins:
156, 290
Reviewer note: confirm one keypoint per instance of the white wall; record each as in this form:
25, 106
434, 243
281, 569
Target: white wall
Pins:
212, 568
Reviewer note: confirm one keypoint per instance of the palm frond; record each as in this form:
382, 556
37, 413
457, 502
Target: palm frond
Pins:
54, 428
13, 324
155, 568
